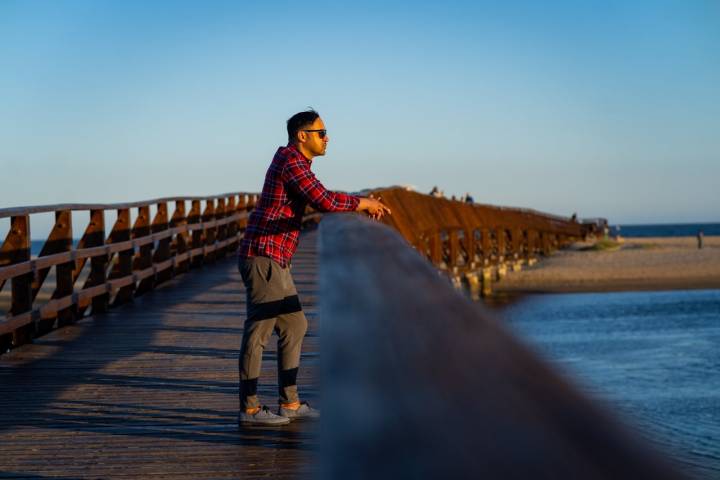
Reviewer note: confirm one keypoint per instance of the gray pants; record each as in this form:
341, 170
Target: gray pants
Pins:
272, 304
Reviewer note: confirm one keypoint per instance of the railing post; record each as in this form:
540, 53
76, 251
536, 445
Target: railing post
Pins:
436, 248
124, 265
242, 207
470, 246
194, 217
453, 248
143, 259
221, 230
16, 249
60, 240
501, 241
232, 227
210, 232
95, 237
486, 247
162, 251
180, 242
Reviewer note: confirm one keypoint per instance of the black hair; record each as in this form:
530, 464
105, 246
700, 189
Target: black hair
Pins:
299, 121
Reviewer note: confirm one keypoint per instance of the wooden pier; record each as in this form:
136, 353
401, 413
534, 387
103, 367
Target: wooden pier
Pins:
150, 389
127, 367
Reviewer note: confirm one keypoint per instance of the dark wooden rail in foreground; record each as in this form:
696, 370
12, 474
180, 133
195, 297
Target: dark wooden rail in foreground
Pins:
107, 270
419, 382
475, 244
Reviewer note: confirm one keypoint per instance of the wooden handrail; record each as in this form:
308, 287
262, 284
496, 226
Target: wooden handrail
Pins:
418, 382
464, 239
15, 211
130, 261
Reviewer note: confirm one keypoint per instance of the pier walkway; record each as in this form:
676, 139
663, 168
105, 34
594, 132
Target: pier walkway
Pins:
149, 389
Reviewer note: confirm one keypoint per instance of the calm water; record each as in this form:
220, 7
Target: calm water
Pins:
654, 356
667, 230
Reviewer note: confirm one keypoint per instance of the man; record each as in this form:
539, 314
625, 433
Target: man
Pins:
265, 252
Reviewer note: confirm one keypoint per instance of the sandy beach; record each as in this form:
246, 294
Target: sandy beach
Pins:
638, 264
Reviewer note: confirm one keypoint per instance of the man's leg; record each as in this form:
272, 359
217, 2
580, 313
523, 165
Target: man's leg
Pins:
291, 328
255, 338
264, 289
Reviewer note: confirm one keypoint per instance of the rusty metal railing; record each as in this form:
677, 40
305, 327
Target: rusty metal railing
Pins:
101, 270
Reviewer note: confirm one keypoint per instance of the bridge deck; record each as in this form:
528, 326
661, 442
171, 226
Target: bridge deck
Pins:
149, 390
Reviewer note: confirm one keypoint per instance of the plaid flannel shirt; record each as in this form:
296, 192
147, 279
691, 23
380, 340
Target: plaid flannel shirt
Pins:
274, 225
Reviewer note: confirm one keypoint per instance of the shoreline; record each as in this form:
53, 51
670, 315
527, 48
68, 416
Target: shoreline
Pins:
639, 264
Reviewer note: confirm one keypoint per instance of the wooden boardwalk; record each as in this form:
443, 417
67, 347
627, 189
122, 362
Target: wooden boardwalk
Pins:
150, 390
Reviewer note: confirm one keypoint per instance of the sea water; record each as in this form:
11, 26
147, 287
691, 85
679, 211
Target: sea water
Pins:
653, 356
666, 230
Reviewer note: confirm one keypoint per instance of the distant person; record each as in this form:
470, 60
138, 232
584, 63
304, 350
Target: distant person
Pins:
469, 198
435, 192
700, 239
264, 256
574, 217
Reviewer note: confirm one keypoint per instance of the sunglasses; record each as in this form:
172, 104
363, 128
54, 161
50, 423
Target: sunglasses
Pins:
321, 132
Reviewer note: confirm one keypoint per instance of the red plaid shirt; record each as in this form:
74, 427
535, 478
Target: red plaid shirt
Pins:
274, 225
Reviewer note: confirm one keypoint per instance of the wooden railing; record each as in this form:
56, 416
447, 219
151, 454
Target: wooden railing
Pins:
107, 270
419, 382
476, 244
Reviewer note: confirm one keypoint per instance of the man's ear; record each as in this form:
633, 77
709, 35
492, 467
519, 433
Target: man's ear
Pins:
301, 136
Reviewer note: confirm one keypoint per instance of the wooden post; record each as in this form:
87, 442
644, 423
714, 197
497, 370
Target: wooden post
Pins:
221, 230
162, 251
143, 259
486, 247
436, 249
545, 242
470, 246
124, 264
232, 227
180, 242
95, 237
242, 207
453, 248
210, 232
197, 233
16, 249
501, 240
486, 290
60, 240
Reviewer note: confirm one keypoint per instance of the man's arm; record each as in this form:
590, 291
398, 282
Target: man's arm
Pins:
298, 176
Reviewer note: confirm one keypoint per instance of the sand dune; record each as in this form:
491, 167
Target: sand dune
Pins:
639, 264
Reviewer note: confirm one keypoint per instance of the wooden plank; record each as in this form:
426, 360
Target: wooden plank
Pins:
418, 382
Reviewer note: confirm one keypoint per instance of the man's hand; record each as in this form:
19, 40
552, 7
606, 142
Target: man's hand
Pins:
373, 207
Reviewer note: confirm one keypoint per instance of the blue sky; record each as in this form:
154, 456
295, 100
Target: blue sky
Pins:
602, 108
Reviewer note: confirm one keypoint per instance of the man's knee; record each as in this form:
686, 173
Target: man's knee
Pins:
293, 326
258, 334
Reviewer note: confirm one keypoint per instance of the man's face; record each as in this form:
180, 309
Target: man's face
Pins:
311, 141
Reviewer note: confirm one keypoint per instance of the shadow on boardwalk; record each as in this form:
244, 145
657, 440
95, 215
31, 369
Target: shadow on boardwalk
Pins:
151, 389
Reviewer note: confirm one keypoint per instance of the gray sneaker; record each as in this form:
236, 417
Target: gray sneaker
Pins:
304, 411
263, 417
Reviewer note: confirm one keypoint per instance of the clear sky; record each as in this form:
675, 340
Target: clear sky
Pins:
602, 108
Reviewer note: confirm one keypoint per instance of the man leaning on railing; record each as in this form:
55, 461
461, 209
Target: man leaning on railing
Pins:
270, 241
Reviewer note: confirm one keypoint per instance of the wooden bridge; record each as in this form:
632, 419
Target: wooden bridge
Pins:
122, 351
